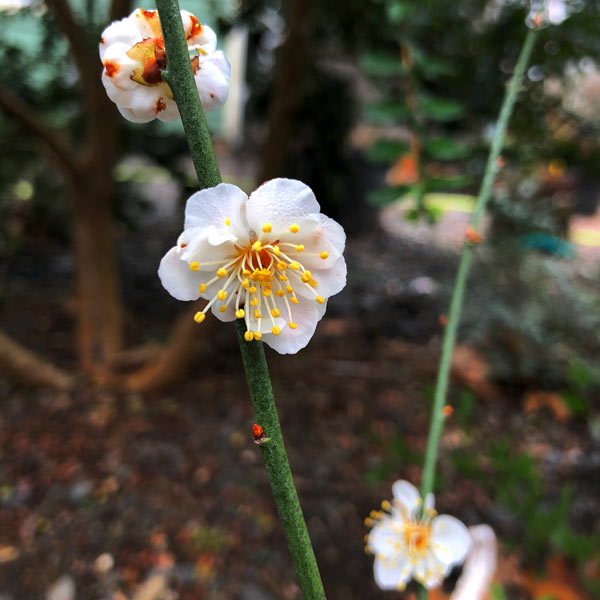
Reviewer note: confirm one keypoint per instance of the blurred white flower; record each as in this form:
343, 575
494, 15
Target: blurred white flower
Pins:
271, 259
409, 540
544, 12
133, 54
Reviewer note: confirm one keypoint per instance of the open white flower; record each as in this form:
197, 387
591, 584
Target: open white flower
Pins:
133, 54
409, 540
271, 259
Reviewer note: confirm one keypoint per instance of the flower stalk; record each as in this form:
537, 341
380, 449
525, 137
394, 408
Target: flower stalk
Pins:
458, 292
179, 75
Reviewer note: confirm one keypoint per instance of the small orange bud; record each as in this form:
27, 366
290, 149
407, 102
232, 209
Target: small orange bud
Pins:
259, 433
443, 320
472, 235
448, 410
500, 162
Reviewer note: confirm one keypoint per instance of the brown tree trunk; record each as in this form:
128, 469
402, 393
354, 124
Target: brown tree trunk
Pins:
290, 69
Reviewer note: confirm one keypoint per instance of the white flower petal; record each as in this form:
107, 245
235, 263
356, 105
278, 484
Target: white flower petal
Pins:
283, 203
147, 23
118, 66
391, 574
429, 503
329, 282
135, 117
176, 277
216, 206
429, 571
408, 496
207, 244
203, 36
326, 237
385, 538
450, 539
169, 111
123, 31
213, 82
306, 314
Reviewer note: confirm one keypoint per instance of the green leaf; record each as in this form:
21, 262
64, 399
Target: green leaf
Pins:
448, 183
577, 405
383, 150
445, 149
431, 68
386, 112
379, 64
441, 109
386, 195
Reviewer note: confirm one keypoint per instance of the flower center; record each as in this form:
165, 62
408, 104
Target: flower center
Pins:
260, 283
416, 537
150, 54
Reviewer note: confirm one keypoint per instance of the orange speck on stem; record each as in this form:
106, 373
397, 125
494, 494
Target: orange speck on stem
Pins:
472, 235
448, 410
443, 320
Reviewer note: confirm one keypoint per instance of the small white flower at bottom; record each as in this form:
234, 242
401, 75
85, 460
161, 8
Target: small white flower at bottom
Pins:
409, 540
271, 259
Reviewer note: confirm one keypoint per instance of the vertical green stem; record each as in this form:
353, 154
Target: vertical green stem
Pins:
180, 77
437, 415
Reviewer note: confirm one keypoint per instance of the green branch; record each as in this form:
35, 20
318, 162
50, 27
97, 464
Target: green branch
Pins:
458, 293
180, 77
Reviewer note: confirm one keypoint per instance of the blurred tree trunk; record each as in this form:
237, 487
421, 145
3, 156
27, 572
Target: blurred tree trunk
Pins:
290, 71
99, 314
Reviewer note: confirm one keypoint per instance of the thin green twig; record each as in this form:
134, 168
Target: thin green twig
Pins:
180, 77
456, 303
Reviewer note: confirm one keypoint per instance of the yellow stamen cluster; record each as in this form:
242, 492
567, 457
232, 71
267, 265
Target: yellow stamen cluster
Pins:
259, 281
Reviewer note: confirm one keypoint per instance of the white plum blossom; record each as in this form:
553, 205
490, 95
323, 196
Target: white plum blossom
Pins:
271, 259
409, 540
133, 54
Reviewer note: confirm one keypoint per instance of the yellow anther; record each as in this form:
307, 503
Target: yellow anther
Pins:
292, 325
276, 250
280, 293
320, 299
248, 336
306, 276
252, 289
283, 277
267, 227
294, 265
240, 313
275, 312
293, 300
376, 514
281, 265
313, 283
401, 586
194, 266
299, 248
257, 314
221, 272
221, 294
257, 335
245, 283
257, 246
266, 292
245, 273
289, 289
254, 302
228, 222
275, 330
202, 288
199, 317
324, 255
386, 505
368, 549
294, 228
369, 522
222, 309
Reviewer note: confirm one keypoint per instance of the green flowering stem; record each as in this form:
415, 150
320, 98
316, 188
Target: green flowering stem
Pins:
458, 293
180, 77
